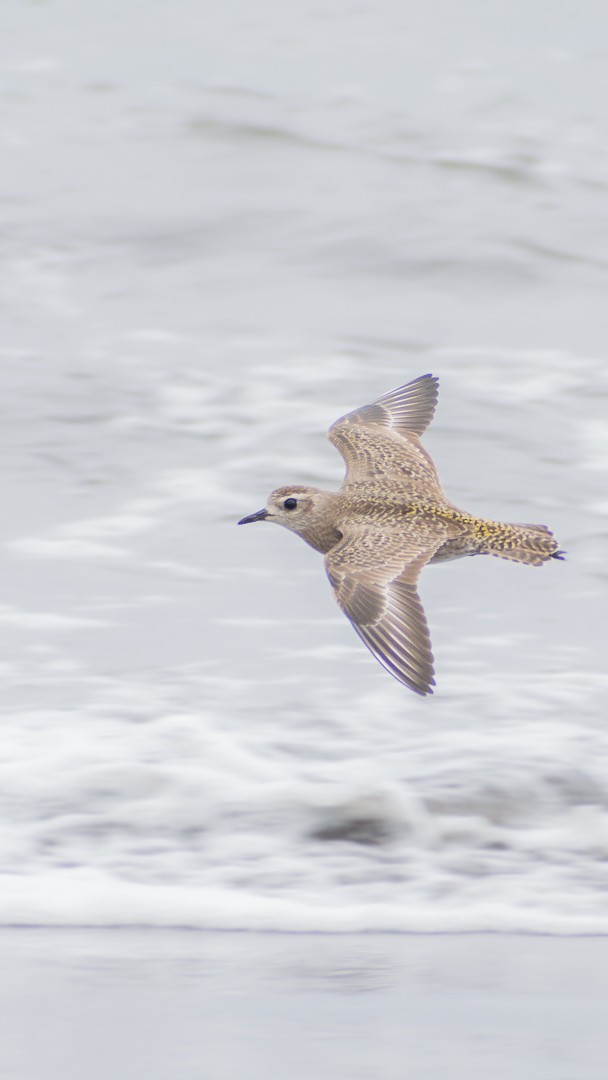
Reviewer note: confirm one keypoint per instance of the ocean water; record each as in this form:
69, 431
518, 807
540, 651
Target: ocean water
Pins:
188, 1004
222, 228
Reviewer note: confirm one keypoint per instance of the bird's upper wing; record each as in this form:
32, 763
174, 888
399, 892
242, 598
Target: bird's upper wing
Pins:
382, 439
408, 409
373, 571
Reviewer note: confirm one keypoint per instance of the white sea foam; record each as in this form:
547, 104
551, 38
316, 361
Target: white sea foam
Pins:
128, 812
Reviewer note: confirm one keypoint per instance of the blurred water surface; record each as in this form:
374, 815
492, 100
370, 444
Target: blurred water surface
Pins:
223, 227
231, 1006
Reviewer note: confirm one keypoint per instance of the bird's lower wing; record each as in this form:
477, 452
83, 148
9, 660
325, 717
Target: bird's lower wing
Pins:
373, 573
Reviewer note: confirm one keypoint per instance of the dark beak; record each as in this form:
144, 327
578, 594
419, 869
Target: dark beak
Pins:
261, 514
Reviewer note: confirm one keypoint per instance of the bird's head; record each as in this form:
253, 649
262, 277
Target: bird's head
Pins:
306, 511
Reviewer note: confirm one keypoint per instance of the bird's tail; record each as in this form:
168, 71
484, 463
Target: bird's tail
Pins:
530, 544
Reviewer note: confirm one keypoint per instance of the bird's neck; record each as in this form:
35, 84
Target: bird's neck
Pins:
322, 536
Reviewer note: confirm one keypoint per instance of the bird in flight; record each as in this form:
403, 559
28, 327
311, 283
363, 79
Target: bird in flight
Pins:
388, 520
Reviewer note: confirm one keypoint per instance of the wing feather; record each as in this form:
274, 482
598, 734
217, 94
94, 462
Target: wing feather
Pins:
375, 585
381, 440
408, 409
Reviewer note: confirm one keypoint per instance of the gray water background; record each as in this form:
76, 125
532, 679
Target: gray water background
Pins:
233, 1006
222, 227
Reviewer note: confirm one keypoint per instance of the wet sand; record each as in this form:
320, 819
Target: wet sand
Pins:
237, 1006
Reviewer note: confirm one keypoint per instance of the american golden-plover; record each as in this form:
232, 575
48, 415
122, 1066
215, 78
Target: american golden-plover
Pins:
388, 520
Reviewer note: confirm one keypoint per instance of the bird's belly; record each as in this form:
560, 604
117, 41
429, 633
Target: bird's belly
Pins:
455, 549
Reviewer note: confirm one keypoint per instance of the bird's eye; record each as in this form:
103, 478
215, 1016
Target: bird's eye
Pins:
290, 504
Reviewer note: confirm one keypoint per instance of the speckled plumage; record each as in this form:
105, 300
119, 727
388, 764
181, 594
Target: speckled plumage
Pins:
389, 519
